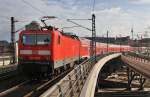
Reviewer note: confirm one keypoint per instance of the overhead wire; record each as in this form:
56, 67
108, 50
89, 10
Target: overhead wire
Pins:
35, 8
4, 17
93, 6
62, 17
73, 4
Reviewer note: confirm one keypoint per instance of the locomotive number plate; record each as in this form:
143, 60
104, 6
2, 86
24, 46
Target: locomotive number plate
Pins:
34, 52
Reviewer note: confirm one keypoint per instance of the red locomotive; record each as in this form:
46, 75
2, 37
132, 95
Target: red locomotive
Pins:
48, 51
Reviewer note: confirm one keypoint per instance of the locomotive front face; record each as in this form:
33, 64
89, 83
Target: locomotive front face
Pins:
35, 51
35, 47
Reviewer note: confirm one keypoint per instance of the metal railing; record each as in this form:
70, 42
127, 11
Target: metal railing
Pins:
71, 85
138, 57
5, 60
6, 65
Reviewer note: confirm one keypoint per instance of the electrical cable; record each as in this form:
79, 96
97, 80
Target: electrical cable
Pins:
7, 18
35, 8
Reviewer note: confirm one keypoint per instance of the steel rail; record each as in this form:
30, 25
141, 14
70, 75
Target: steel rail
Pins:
7, 71
13, 88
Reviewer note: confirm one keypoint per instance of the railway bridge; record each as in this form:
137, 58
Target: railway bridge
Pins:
85, 79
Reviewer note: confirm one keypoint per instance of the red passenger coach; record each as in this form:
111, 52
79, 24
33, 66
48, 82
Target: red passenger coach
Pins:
85, 48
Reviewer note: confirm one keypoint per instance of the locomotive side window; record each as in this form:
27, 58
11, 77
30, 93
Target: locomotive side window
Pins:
35, 39
58, 39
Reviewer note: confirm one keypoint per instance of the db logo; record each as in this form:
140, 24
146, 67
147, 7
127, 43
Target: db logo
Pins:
35, 52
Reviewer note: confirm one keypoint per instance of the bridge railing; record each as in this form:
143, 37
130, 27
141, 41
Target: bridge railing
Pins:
71, 85
5, 60
6, 65
141, 58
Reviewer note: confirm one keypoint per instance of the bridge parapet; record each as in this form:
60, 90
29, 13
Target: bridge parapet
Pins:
75, 82
90, 84
71, 85
6, 65
138, 57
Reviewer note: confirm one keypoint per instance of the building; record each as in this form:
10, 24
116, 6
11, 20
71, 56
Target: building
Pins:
112, 40
4, 46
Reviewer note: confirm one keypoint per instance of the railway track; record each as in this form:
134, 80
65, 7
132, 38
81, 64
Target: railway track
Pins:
8, 71
11, 81
7, 75
31, 88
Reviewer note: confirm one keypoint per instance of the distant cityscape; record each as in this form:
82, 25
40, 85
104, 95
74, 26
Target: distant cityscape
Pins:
145, 42
5, 46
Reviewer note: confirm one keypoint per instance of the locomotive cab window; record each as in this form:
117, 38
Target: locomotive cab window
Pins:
35, 39
43, 39
58, 39
28, 40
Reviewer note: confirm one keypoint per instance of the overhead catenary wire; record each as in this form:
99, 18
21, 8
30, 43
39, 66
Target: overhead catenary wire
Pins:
35, 8
74, 4
5, 17
79, 25
19, 29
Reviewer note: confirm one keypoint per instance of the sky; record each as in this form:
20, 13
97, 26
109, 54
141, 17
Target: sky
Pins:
116, 16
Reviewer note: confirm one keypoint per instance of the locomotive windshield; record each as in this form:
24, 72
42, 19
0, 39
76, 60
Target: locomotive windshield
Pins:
35, 39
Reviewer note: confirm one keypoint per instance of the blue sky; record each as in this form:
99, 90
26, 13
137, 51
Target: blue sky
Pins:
117, 16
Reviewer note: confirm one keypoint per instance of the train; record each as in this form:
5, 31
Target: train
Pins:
46, 51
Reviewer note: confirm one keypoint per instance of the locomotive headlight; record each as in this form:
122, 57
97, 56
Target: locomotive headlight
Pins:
26, 52
44, 52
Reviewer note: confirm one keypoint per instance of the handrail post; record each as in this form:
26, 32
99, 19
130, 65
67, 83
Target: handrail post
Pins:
77, 79
70, 86
86, 69
60, 91
84, 72
81, 75
3, 61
